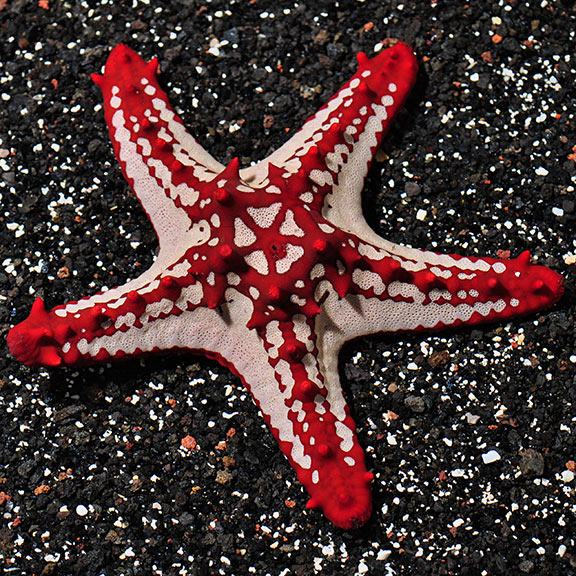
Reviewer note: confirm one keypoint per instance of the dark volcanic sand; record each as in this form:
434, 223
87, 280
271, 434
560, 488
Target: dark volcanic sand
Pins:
470, 434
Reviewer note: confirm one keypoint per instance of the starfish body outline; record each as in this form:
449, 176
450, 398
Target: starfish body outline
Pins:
272, 268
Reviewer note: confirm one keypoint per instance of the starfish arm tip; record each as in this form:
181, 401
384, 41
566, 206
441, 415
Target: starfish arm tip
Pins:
153, 66
97, 79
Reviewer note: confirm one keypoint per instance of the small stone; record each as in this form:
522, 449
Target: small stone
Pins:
568, 206
268, 121
224, 477
412, 189
567, 476
187, 519
389, 416
490, 457
25, 469
228, 461
383, 555
138, 25
531, 463
128, 553
63, 272
113, 537
487, 56
81, 510
63, 514
472, 418
439, 358
526, 566
421, 215
42, 489
322, 37
136, 484
189, 443
415, 403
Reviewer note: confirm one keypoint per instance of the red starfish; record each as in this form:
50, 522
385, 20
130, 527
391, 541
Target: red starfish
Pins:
270, 269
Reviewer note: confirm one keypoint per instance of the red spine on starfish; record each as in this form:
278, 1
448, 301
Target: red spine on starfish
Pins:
272, 268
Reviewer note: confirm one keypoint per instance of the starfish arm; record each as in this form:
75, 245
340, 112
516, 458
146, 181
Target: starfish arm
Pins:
335, 147
129, 320
413, 290
163, 163
305, 408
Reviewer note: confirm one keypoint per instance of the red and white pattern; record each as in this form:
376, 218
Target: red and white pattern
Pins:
272, 268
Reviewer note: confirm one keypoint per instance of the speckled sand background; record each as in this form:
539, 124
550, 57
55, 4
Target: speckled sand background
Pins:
165, 467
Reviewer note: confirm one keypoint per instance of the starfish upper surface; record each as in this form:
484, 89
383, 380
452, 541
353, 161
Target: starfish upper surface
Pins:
272, 268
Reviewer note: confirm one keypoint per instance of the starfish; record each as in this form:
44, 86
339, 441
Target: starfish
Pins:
270, 269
